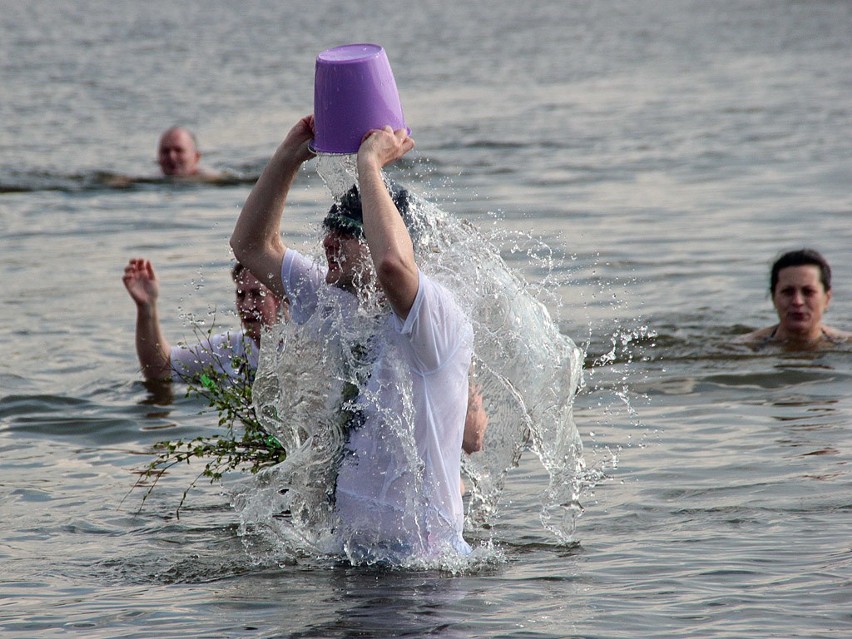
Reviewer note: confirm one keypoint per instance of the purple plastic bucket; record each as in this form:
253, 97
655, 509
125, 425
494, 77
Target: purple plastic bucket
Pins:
354, 92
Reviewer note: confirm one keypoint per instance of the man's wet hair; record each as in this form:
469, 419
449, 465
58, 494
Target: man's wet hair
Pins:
237, 270
347, 216
801, 257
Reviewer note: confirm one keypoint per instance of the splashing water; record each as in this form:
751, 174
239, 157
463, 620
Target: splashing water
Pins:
529, 374
527, 370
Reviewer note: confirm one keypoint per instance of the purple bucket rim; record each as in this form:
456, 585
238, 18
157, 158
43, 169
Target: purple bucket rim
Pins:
313, 149
365, 50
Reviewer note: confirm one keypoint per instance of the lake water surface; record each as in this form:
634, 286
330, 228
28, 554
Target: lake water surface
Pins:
638, 164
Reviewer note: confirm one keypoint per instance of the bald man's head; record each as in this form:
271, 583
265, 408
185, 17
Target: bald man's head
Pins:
178, 153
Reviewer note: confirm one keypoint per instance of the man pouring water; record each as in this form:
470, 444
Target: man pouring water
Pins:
397, 490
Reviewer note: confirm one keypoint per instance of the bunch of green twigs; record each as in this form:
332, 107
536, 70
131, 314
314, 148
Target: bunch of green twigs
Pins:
244, 444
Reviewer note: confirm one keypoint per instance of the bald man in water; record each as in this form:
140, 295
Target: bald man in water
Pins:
179, 157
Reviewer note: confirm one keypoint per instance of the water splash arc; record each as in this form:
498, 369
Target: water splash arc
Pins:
527, 370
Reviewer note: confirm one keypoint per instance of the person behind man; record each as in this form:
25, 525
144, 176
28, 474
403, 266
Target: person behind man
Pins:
227, 353
179, 157
800, 285
423, 346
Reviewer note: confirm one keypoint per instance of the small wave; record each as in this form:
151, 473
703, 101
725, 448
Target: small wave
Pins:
688, 341
51, 416
36, 181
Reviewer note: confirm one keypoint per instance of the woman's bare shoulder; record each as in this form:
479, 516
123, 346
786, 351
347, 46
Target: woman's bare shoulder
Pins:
760, 335
836, 335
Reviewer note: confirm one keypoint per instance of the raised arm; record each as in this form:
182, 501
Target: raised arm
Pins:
256, 240
153, 350
384, 229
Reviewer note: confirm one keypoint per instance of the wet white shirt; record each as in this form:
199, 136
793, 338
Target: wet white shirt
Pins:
224, 353
398, 483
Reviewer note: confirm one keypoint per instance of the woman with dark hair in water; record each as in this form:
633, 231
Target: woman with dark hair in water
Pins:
800, 285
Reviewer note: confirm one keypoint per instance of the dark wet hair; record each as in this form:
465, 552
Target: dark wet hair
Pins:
802, 257
237, 271
346, 215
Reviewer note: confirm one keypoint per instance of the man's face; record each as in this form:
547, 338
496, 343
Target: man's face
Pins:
348, 260
256, 304
177, 154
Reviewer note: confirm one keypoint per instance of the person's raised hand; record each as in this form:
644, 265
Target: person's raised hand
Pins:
141, 282
384, 146
299, 137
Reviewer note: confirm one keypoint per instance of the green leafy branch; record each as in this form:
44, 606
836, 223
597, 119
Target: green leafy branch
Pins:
245, 444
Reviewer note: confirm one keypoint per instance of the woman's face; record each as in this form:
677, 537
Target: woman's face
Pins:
800, 301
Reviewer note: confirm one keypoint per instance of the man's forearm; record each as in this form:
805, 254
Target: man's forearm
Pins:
256, 239
388, 239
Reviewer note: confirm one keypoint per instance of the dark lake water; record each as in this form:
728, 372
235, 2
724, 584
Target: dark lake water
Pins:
638, 164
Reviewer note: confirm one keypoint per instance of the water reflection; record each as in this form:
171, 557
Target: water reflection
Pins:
375, 603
